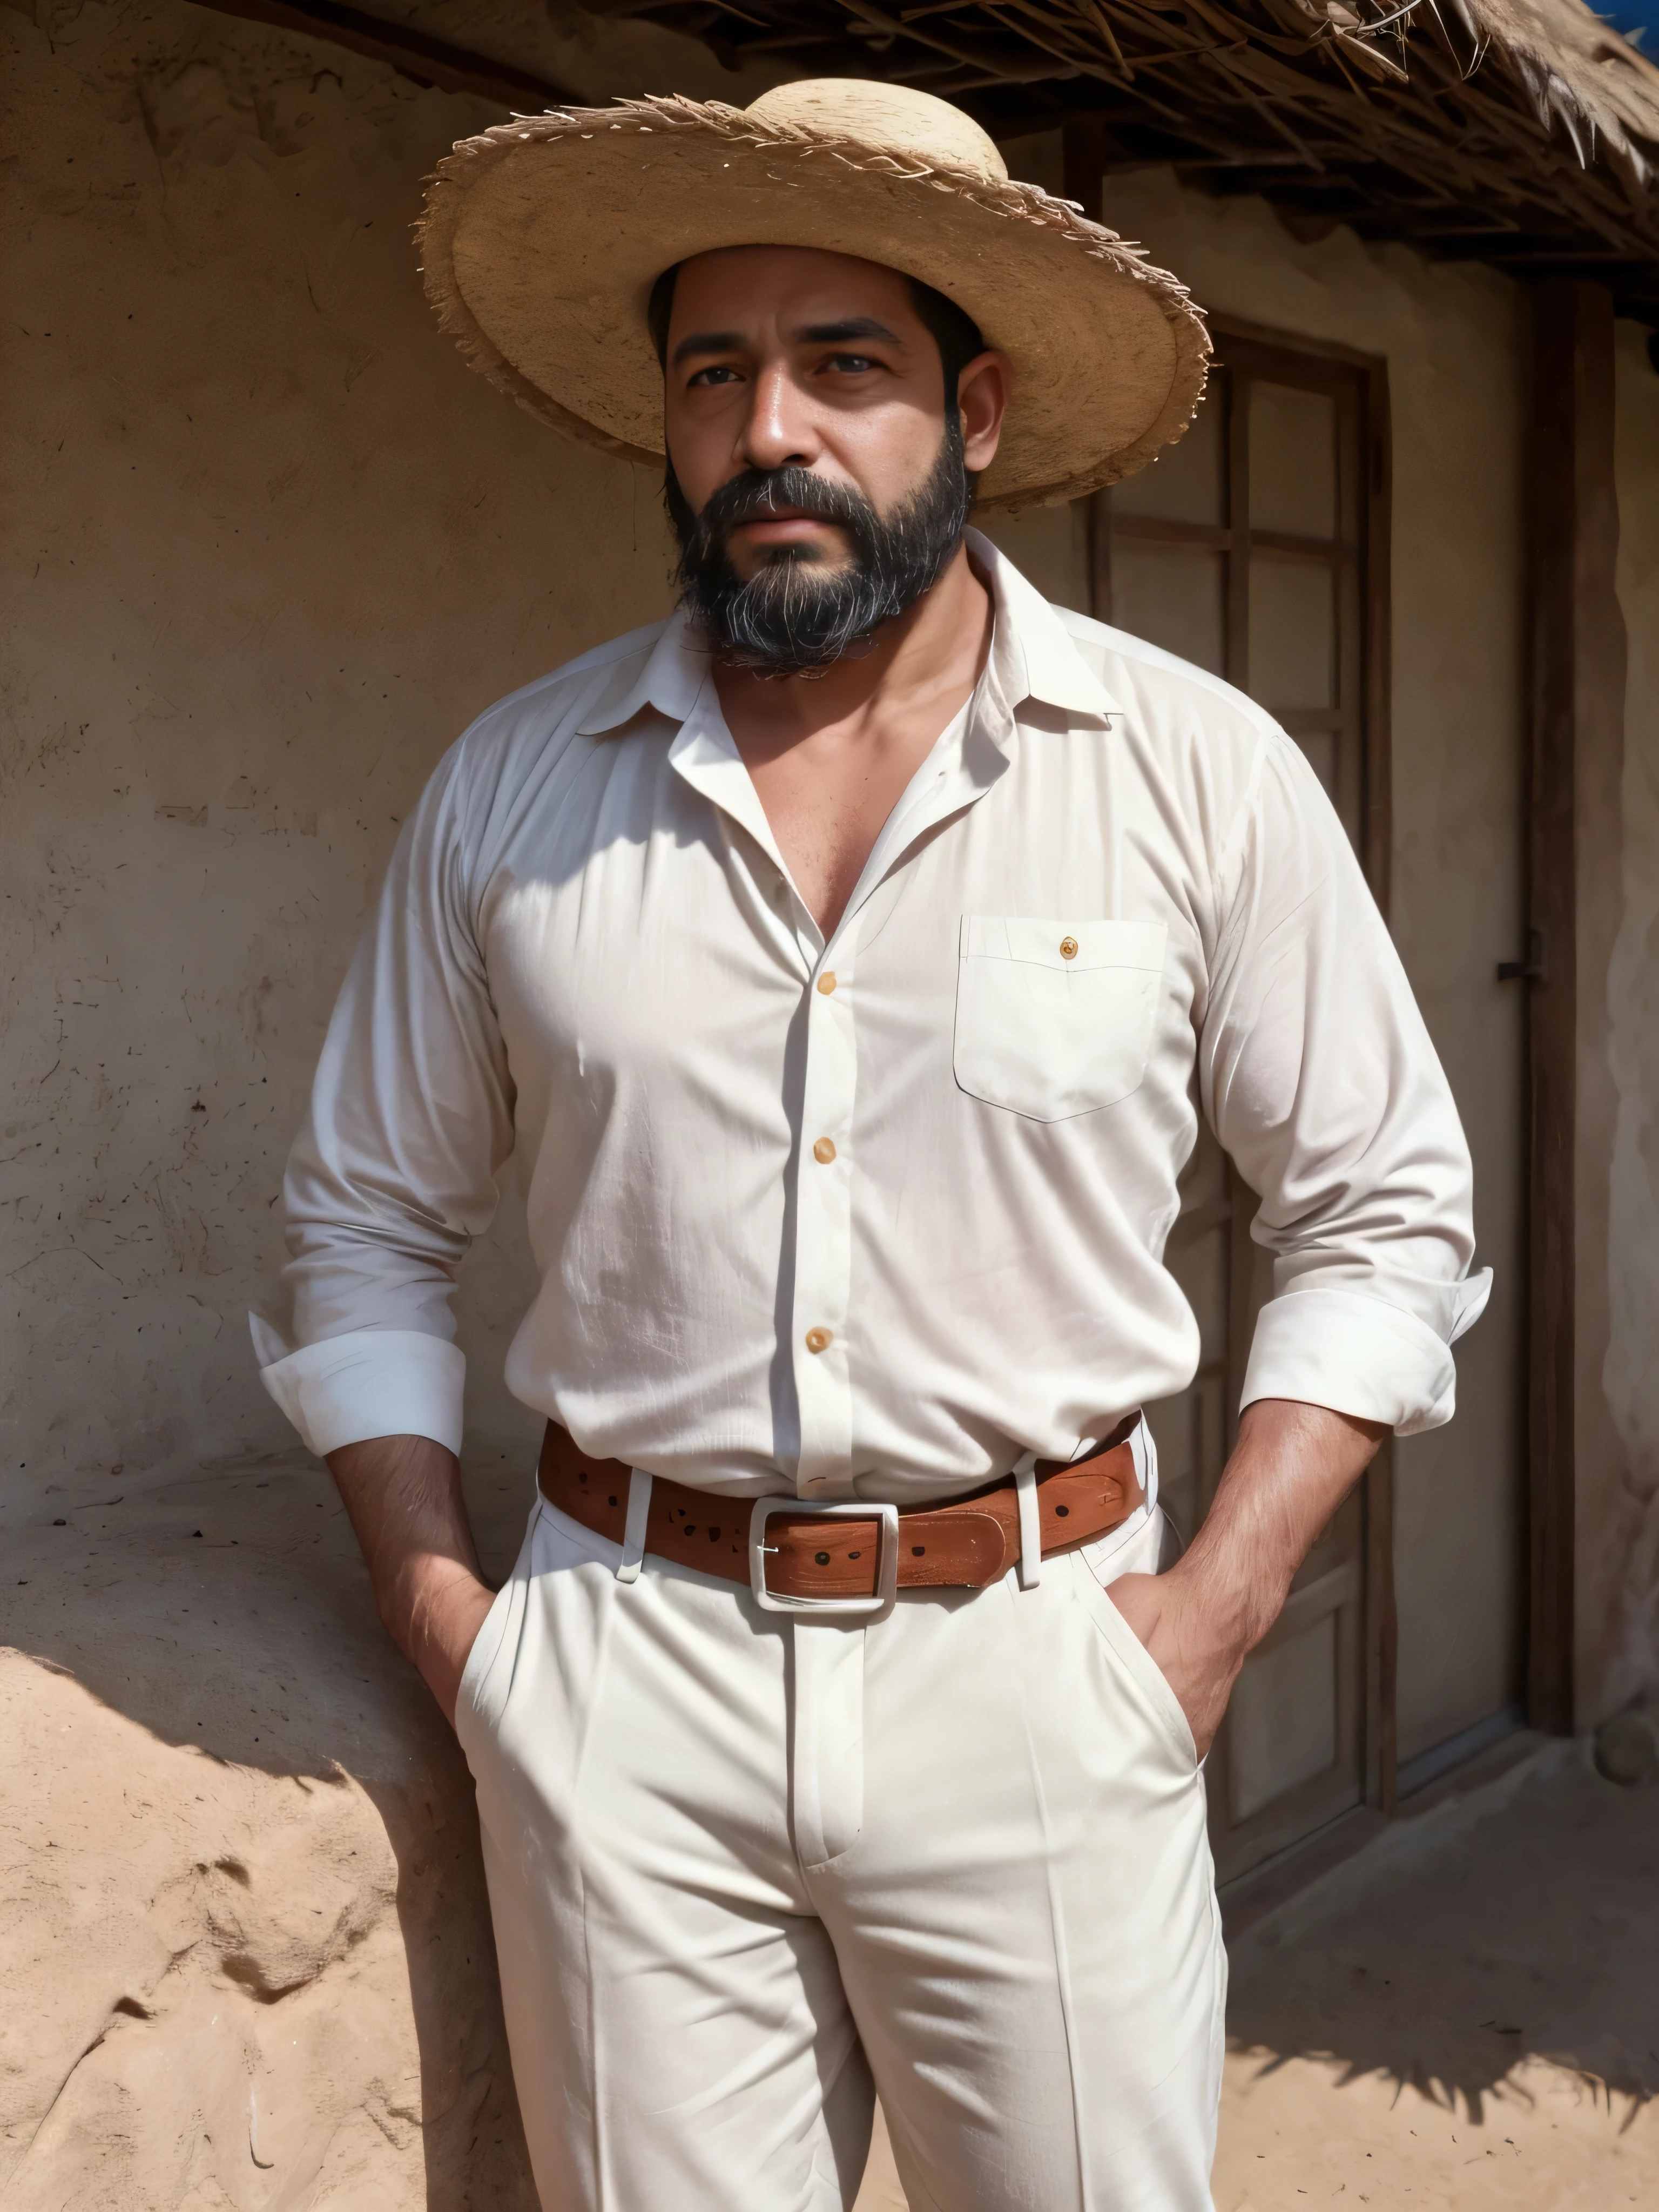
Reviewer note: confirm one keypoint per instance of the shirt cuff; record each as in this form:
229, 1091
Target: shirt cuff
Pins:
372, 1382
1360, 1356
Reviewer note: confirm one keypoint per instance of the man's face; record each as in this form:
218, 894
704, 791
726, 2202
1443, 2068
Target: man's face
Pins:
779, 356
816, 480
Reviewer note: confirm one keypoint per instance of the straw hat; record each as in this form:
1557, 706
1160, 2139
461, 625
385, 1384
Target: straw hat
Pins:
542, 238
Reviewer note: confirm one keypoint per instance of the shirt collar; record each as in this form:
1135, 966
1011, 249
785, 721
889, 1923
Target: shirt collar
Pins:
1032, 654
673, 675
1032, 657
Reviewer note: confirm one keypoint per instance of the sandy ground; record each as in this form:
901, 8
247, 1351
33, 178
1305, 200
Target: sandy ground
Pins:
243, 1942
1464, 2017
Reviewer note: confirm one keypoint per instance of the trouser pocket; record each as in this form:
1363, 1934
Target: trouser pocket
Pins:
1135, 1667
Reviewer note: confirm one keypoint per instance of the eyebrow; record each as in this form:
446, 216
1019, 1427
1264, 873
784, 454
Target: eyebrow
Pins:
706, 342
854, 327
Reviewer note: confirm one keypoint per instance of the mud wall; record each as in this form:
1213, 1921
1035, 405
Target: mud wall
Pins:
272, 548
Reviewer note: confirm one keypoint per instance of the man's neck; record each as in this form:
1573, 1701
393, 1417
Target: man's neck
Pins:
830, 757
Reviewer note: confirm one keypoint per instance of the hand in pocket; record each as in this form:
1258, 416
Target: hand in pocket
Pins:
1175, 1624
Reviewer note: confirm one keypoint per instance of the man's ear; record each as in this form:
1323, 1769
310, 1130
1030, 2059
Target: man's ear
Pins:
982, 394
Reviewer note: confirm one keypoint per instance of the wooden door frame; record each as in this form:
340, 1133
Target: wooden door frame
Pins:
1380, 1756
1577, 758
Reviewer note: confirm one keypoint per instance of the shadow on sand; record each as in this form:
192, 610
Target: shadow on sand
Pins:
1521, 1920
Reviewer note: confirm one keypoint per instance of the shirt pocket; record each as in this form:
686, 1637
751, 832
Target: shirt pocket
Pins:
1055, 1017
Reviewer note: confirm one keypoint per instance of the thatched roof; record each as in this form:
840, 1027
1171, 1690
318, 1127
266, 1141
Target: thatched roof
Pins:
1520, 132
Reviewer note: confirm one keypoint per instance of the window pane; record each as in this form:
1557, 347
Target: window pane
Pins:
1187, 481
1172, 597
1292, 633
1292, 460
1284, 1718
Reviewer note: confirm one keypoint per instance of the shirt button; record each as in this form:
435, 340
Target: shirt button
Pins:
824, 1151
819, 1339
1068, 948
827, 981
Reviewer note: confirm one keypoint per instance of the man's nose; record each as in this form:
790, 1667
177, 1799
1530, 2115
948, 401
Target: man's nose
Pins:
777, 431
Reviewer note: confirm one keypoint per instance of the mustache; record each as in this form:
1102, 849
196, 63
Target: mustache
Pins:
757, 492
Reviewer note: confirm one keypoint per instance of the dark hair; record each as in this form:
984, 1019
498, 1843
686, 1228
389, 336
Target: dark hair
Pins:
952, 329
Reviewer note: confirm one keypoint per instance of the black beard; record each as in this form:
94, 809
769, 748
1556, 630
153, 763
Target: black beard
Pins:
792, 618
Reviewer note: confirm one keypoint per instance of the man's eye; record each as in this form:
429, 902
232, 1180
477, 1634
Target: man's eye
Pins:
721, 374
851, 364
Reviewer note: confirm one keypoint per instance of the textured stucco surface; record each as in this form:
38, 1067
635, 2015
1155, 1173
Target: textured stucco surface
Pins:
272, 548
1619, 1563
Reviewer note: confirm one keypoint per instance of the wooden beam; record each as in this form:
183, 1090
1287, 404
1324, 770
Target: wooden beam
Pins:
1576, 760
412, 53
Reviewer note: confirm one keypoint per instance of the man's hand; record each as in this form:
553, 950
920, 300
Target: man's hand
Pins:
404, 1496
1290, 1468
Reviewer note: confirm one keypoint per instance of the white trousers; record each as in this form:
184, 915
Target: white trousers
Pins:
746, 1870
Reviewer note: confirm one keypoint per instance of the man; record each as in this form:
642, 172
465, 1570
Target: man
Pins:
852, 958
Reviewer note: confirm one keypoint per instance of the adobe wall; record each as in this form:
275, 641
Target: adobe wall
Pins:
275, 549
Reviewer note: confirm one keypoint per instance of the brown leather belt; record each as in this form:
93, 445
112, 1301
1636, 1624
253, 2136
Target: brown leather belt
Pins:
967, 1543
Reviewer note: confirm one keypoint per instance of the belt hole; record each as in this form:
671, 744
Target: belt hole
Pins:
613, 1501
855, 1555
1061, 1512
822, 1558
916, 1550
690, 1529
714, 1535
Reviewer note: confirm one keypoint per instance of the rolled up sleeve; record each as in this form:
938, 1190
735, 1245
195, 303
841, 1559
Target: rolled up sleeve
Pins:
1318, 1076
394, 1173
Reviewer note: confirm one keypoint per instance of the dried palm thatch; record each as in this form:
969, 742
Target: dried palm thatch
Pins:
1520, 132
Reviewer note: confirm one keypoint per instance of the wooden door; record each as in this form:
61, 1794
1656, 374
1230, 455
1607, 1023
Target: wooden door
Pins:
1257, 548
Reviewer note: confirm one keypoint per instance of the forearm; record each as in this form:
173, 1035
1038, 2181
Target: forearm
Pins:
1291, 1467
403, 1496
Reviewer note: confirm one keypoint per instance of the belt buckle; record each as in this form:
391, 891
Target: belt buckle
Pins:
886, 1518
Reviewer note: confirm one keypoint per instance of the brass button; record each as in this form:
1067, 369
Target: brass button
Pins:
1068, 948
827, 981
824, 1151
819, 1339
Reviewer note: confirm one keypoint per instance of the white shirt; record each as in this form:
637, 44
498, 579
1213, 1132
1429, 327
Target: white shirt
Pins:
871, 1217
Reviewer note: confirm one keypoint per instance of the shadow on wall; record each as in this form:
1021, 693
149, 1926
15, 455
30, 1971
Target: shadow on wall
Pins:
248, 1939
1517, 1922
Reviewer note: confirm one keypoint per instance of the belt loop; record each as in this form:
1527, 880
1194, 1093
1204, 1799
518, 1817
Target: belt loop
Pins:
1145, 1454
638, 1510
1030, 1526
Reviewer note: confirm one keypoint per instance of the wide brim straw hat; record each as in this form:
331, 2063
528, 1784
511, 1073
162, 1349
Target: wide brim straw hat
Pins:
542, 238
